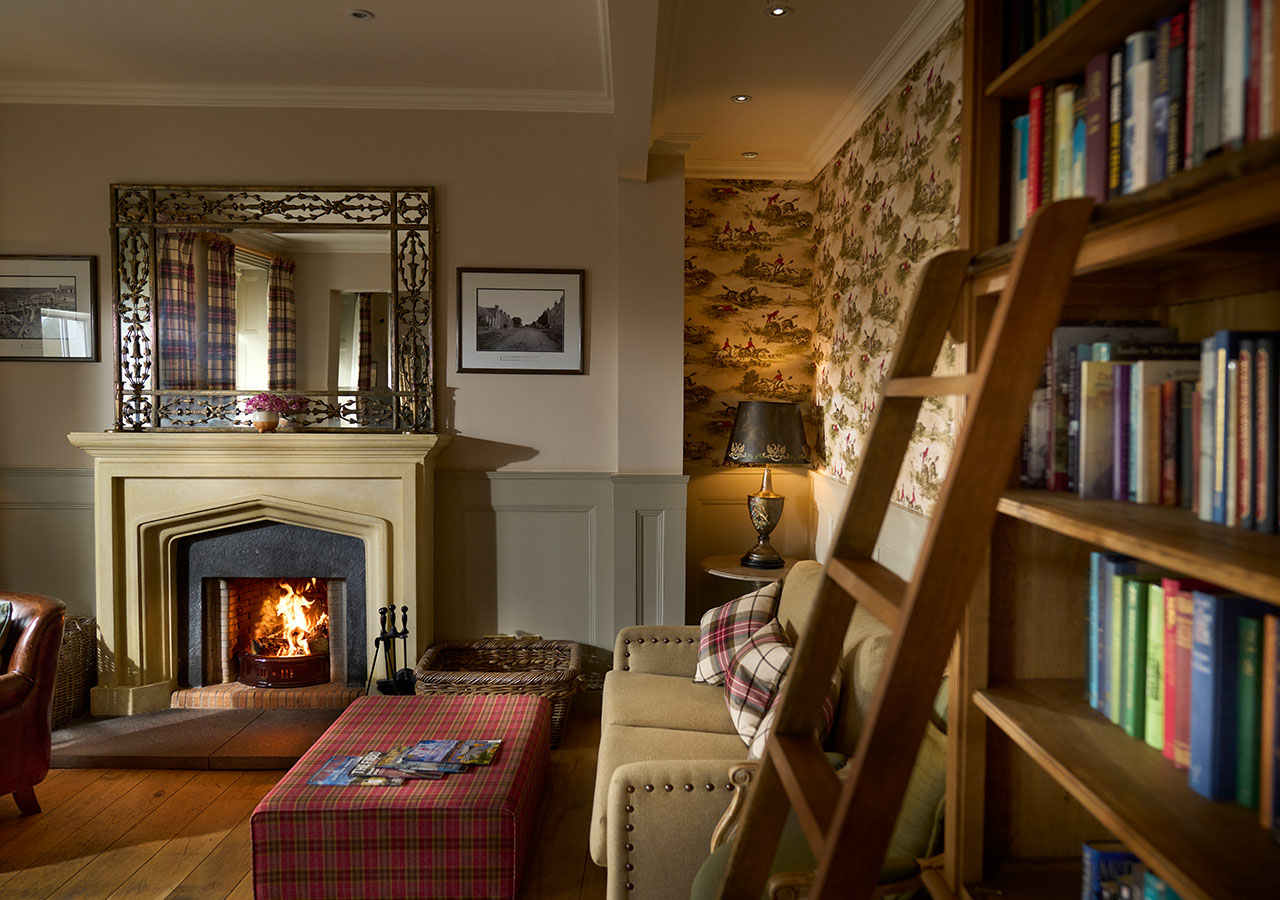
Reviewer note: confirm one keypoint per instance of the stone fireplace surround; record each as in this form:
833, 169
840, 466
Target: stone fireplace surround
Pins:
152, 490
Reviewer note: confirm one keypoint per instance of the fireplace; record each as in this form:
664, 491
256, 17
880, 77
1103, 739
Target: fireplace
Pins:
274, 632
160, 495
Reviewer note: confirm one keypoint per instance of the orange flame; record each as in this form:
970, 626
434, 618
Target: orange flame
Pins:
296, 625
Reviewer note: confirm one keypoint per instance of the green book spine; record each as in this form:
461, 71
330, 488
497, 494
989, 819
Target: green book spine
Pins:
1154, 702
1134, 674
1115, 649
1248, 724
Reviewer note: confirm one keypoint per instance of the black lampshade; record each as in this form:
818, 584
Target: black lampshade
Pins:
767, 432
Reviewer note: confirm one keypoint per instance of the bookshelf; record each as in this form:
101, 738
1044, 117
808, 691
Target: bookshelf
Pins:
1033, 770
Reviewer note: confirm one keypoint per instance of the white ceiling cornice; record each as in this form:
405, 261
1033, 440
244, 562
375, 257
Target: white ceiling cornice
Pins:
303, 96
747, 168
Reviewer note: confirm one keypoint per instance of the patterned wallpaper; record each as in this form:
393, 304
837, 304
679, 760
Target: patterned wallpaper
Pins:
843, 265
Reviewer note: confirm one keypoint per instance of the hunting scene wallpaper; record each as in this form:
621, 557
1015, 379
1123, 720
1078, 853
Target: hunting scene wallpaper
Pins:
796, 291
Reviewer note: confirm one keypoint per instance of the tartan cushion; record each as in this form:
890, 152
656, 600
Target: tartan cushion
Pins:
755, 747
465, 836
725, 629
754, 676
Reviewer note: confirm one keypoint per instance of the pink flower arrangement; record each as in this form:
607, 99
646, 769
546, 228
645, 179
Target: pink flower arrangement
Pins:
276, 403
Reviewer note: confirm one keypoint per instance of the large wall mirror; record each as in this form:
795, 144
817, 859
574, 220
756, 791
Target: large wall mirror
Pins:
321, 296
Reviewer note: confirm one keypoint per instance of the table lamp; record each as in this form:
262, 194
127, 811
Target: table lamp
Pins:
767, 433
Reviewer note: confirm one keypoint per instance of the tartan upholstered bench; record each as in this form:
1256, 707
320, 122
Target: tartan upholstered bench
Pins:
468, 835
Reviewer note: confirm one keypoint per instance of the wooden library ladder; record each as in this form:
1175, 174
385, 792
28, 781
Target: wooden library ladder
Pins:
848, 826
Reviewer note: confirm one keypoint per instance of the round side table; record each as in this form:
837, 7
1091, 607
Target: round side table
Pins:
729, 565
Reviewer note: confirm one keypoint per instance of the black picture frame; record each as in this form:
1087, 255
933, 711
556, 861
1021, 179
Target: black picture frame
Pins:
49, 308
522, 321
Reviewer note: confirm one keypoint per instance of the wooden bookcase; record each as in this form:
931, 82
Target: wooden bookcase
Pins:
1033, 771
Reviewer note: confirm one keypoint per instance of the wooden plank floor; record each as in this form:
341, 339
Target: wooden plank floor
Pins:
169, 834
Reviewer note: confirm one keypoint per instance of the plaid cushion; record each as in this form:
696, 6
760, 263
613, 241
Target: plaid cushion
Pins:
467, 835
755, 747
754, 677
725, 629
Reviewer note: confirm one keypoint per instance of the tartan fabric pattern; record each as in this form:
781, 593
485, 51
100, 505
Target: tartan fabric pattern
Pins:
755, 747
282, 342
221, 340
176, 310
725, 629
754, 676
466, 836
364, 359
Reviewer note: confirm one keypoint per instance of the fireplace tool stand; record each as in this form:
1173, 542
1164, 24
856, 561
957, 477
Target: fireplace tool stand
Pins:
398, 681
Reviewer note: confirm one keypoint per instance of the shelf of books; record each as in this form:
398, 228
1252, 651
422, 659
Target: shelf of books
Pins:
1201, 848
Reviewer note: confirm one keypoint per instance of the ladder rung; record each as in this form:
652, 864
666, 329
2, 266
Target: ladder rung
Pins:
810, 782
872, 585
931, 385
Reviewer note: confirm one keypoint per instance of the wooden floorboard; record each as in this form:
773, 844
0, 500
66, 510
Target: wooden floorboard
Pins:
165, 834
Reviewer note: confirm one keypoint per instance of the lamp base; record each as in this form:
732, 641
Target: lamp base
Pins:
763, 556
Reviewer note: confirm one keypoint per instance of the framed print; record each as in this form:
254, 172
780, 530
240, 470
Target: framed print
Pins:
49, 308
521, 320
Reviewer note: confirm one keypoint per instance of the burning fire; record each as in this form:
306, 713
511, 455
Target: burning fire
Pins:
296, 628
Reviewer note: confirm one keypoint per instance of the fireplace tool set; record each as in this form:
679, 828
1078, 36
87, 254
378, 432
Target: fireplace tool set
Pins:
398, 681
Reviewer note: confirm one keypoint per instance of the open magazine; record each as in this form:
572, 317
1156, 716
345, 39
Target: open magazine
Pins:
339, 771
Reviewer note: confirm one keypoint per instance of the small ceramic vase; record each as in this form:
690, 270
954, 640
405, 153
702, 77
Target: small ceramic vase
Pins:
265, 420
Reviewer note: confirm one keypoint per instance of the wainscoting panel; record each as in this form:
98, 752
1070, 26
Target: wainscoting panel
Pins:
46, 534
567, 555
901, 535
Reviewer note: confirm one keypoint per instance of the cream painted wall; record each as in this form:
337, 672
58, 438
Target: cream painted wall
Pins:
512, 189
318, 274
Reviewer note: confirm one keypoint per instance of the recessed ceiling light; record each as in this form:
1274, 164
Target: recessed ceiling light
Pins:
776, 9
361, 14
750, 154
740, 98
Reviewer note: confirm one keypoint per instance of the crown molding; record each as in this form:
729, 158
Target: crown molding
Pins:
925, 25
745, 168
303, 96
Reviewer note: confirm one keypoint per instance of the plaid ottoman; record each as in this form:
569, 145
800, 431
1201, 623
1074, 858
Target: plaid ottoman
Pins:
467, 835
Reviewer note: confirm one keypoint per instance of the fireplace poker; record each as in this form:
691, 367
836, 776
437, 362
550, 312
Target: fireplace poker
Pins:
403, 677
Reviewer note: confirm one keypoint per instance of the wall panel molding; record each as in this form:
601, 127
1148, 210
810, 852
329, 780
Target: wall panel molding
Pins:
901, 536
46, 533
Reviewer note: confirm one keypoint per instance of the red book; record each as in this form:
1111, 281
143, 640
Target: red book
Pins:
1253, 78
1169, 443
1177, 667
1035, 149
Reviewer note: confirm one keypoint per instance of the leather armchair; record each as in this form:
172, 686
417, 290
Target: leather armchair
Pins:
28, 663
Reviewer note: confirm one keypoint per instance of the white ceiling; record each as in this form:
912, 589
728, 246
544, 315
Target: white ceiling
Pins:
664, 68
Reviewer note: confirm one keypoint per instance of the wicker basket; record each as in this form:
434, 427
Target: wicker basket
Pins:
547, 669
77, 669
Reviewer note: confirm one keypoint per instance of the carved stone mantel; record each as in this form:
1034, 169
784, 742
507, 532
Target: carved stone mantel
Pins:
150, 489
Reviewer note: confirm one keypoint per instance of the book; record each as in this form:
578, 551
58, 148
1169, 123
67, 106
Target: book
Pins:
1108, 620
1249, 711
1101, 861
1035, 149
1064, 102
1132, 351
1253, 71
1096, 94
1093, 628
1223, 425
1135, 151
336, 772
1188, 401
1156, 888
1161, 70
1264, 417
1215, 660
1193, 102
1133, 660
1151, 373
1177, 93
1205, 433
1169, 417
1268, 75
1078, 147
1231, 441
1152, 727
1115, 122
1246, 437
1179, 621
1207, 114
1121, 434
427, 750
1049, 152
1097, 397
1235, 52
1269, 755
1018, 177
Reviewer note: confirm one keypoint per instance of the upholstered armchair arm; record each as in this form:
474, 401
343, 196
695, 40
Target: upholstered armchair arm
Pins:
657, 650
661, 815
14, 688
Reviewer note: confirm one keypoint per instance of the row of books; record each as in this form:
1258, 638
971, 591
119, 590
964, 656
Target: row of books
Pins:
1192, 670
1028, 21
1201, 81
1110, 871
1126, 412
428, 759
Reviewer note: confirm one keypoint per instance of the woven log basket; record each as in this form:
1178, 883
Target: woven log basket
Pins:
549, 669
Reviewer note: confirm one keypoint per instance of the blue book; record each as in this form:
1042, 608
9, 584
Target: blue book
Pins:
1215, 665
1018, 189
1103, 861
1139, 50
1160, 102
1122, 436
1156, 888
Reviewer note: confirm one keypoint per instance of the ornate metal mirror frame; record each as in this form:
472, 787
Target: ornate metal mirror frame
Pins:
403, 214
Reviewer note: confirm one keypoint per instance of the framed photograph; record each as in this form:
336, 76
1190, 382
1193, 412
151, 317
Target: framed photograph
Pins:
49, 308
521, 320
